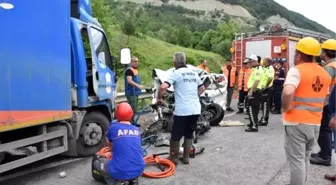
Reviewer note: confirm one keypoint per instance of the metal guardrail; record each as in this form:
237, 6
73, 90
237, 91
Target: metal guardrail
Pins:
121, 97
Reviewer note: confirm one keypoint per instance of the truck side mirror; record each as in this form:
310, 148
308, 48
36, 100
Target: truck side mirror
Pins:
125, 56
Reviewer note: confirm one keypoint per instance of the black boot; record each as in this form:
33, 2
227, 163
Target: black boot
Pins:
252, 127
174, 151
134, 182
276, 112
262, 122
186, 150
240, 112
229, 109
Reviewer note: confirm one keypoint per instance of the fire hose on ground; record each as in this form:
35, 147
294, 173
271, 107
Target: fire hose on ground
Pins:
166, 166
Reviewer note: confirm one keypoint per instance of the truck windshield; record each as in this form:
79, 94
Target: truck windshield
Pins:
101, 48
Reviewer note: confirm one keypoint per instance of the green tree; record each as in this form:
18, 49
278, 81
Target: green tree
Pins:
184, 36
128, 27
103, 13
205, 43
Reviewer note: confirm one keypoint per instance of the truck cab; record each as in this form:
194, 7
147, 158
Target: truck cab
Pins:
57, 78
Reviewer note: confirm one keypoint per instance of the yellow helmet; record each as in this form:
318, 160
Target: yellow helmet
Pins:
329, 44
309, 46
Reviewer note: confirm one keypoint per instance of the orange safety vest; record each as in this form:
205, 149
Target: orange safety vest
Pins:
246, 74
232, 75
204, 68
332, 64
309, 96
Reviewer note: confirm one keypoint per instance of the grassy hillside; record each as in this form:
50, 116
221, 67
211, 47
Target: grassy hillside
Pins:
175, 25
154, 53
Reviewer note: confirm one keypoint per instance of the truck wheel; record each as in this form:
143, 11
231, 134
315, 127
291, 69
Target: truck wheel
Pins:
92, 134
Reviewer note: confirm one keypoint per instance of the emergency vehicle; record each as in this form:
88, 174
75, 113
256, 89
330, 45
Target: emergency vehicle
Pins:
276, 42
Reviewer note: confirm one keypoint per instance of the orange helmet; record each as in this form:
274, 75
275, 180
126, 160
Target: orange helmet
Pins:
124, 112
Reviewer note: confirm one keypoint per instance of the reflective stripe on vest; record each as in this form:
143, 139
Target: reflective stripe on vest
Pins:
309, 96
246, 74
232, 75
204, 68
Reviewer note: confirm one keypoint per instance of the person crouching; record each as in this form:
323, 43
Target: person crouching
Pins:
124, 140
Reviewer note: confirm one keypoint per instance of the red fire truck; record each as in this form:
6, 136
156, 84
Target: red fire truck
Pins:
276, 42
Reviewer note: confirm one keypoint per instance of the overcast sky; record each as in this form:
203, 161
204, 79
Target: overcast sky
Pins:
321, 11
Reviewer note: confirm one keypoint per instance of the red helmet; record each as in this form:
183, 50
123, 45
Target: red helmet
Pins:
124, 112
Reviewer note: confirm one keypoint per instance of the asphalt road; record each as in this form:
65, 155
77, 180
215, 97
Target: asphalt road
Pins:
231, 157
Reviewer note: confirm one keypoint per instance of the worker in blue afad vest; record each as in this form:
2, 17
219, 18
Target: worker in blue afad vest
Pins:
278, 86
133, 85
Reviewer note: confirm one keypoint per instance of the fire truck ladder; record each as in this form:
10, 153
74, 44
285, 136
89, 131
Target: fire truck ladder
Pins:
300, 33
239, 42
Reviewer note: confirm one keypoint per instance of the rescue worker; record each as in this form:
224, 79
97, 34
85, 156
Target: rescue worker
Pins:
254, 93
267, 83
231, 74
124, 142
328, 55
203, 66
279, 79
304, 93
133, 85
243, 77
187, 88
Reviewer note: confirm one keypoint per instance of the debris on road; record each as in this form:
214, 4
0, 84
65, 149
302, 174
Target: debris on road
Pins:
62, 175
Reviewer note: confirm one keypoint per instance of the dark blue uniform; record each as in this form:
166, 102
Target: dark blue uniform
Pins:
278, 86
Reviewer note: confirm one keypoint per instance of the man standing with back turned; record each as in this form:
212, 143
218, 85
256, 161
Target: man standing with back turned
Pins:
187, 88
328, 55
303, 96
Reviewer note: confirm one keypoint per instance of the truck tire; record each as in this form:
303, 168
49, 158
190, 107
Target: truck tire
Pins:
92, 134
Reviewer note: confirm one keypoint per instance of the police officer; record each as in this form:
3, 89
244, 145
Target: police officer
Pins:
244, 75
254, 93
328, 55
267, 83
278, 86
